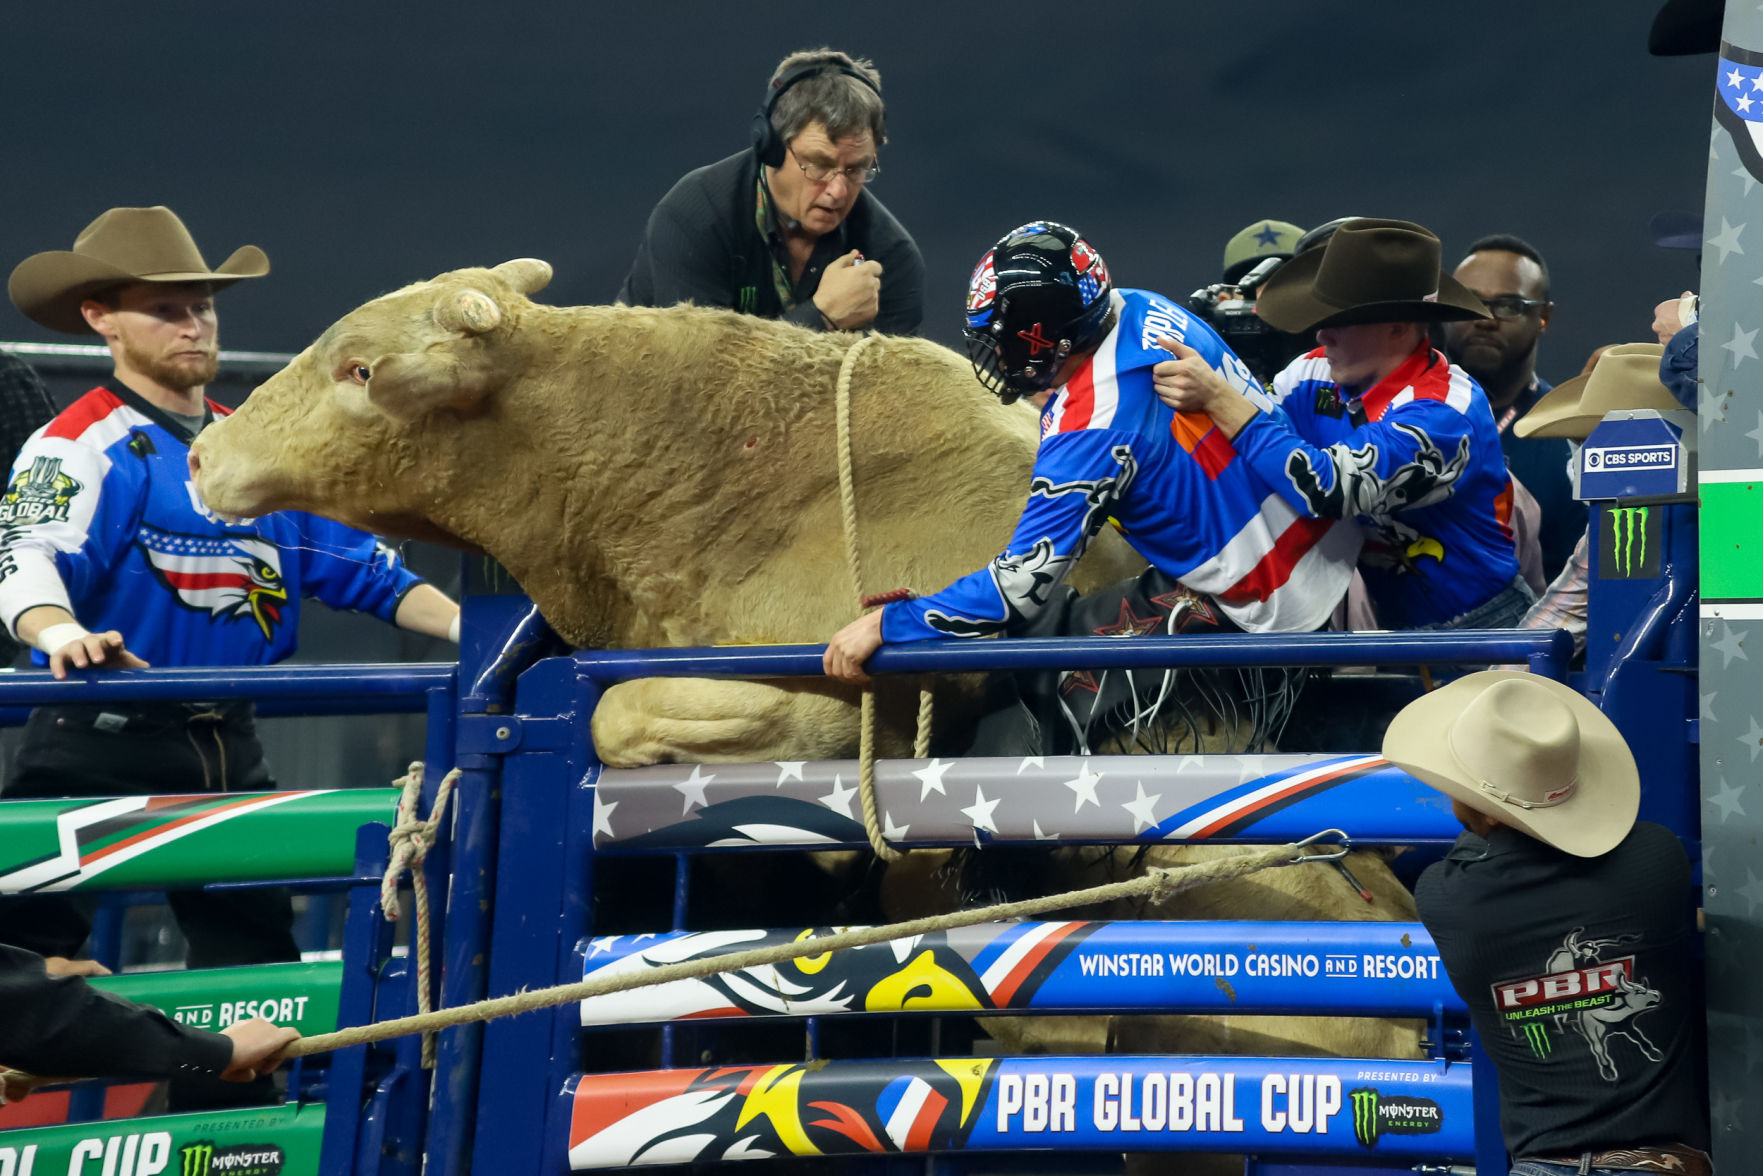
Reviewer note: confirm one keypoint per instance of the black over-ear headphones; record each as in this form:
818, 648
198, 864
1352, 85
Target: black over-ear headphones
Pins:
767, 144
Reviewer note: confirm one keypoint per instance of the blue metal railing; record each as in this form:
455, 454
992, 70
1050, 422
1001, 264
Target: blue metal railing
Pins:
374, 688
1546, 651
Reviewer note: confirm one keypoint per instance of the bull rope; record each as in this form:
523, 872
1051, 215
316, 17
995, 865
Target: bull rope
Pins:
409, 841
1158, 883
854, 558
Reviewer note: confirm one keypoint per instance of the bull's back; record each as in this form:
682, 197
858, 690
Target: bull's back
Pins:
940, 474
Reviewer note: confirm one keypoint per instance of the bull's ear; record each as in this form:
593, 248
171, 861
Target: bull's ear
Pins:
412, 385
529, 275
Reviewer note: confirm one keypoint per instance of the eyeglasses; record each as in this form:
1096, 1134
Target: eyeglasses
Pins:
856, 175
1511, 306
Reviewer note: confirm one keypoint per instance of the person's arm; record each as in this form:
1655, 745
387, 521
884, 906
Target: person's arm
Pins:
59, 531
902, 290
1077, 478
61, 1026
1678, 366
1563, 604
1410, 458
426, 609
351, 570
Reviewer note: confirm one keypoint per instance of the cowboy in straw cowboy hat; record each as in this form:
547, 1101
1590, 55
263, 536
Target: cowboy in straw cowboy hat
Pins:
1625, 377
1378, 426
1564, 923
1520, 750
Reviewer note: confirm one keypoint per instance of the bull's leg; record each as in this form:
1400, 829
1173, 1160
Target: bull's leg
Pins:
1599, 1040
704, 720
1647, 1048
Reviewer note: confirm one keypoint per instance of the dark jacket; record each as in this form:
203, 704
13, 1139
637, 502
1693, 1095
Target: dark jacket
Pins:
62, 1027
1541, 464
703, 245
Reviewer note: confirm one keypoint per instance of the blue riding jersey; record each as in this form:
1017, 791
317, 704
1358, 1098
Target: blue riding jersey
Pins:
101, 518
1416, 460
1111, 451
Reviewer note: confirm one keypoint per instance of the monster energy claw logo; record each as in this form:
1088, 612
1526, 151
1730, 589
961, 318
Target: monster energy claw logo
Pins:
1375, 1116
1537, 1035
195, 1159
249, 1159
1365, 1101
1628, 539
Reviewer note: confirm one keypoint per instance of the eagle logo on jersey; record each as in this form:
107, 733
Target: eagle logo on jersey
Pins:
40, 494
230, 577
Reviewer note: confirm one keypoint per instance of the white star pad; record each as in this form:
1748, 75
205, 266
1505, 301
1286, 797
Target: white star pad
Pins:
692, 788
980, 812
930, 778
1143, 808
839, 799
603, 816
789, 770
1084, 784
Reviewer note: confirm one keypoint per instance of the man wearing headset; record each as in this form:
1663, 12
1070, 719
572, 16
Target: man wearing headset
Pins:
789, 228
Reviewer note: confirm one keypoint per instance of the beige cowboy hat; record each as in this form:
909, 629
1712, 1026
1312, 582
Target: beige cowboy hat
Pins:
1626, 377
1371, 271
124, 245
1527, 751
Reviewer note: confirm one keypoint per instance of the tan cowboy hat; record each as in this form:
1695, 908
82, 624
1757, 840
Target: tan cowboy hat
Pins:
1371, 271
1626, 377
1526, 750
123, 245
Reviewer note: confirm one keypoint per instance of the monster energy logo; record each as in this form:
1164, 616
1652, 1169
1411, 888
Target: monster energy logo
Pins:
1628, 539
252, 1159
195, 1159
1374, 1116
1538, 1036
1365, 1101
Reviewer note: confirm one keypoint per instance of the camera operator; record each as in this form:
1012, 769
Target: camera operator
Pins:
1228, 306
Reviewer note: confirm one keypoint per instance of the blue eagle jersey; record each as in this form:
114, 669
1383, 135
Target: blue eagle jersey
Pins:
101, 517
1416, 460
1111, 451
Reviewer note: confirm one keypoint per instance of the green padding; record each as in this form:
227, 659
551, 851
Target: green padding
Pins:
1732, 540
261, 1141
150, 842
301, 995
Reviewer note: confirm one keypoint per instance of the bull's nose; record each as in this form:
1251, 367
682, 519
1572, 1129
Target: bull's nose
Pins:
195, 464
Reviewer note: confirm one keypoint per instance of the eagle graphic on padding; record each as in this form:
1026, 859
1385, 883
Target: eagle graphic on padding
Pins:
231, 577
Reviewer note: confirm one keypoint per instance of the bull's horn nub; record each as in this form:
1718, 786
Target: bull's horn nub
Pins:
529, 275
470, 312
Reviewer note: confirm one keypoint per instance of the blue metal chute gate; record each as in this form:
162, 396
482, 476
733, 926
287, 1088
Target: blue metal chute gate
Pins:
561, 812
536, 817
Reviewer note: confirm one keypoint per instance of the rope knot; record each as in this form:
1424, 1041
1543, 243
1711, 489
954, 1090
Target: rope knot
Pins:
409, 841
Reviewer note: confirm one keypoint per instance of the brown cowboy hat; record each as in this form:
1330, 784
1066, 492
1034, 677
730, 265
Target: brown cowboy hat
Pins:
1371, 271
1527, 751
124, 245
1626, 377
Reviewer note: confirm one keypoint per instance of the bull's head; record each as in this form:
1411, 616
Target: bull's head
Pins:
363, 423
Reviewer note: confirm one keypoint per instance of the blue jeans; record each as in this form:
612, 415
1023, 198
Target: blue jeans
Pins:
1503, 610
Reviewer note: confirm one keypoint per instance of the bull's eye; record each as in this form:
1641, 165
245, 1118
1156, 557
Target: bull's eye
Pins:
359, 373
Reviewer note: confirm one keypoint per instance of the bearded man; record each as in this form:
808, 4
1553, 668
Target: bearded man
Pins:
101, 525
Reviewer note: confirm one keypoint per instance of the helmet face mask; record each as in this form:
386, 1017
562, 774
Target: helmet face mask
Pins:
1036, 298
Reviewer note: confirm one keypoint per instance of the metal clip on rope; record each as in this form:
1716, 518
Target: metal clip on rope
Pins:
1344, 846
